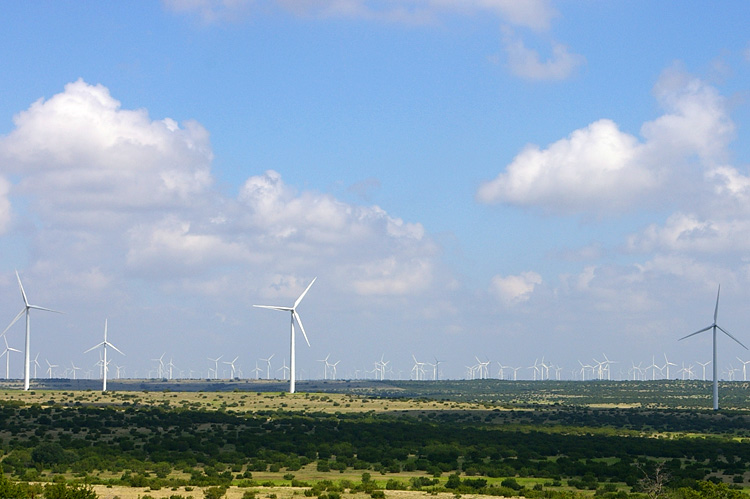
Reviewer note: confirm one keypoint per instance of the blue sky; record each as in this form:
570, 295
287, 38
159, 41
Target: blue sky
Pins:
507, 180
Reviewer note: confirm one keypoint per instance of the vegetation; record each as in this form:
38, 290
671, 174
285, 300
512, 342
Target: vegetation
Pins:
71, 444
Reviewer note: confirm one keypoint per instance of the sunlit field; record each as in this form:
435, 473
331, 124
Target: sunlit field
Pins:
377, 439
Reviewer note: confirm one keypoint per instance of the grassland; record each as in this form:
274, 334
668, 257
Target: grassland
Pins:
532, 439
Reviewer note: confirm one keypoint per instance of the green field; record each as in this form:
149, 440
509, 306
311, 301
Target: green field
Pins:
374, 439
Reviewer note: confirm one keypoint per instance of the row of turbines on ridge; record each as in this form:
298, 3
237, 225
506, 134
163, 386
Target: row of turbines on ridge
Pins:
477, 371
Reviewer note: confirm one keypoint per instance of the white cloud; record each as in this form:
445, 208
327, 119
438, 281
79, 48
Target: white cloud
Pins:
373, 252
685, 233
84, 160
5, 207
118, 195
696, 121
526, 63
515, 289
170, 247
604, 170
598, 165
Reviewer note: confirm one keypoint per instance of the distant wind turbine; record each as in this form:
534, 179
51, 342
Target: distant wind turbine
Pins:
105, 365
6, 352
49, 369
268, 365
294, 317
25, 310
713, 327
231, 366
216, 366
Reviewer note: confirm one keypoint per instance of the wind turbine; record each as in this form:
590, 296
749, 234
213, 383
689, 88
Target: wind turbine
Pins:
105, 365
160, 367
294, 317
744, 368
216, 365
27, 307
49, 368
667, 364
36, 364
703, 365
231, 366
713, 327
268, 365
325, 366
6, 352
436, 366
74, 369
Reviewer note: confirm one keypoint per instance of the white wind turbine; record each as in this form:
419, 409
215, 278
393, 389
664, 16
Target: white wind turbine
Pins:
26, 310
105, 365
713, 327
160, 367
667, 364
268, 365
294, 317
333, 368
231, 366
436, 367
325, 366
257, 370
36, 364
49, 368
6, 352
74, 369
284, 369
216, 365
703, 365
744, 368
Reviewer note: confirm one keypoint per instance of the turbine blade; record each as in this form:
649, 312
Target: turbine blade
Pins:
37, 307
117, 349
697, 332
735, 339
95, 346
272, 307
23, 293
304, 293
14, 321
716, 310
299, 322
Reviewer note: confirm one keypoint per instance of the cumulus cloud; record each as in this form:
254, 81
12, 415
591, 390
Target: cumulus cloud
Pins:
84, 160
116, 193
515, 289
601, 169
375, 252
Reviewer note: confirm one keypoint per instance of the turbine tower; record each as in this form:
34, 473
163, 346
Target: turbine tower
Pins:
26, 309
714, 327
104, 344
294, 317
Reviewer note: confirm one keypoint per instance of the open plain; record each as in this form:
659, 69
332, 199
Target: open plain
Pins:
362, 439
